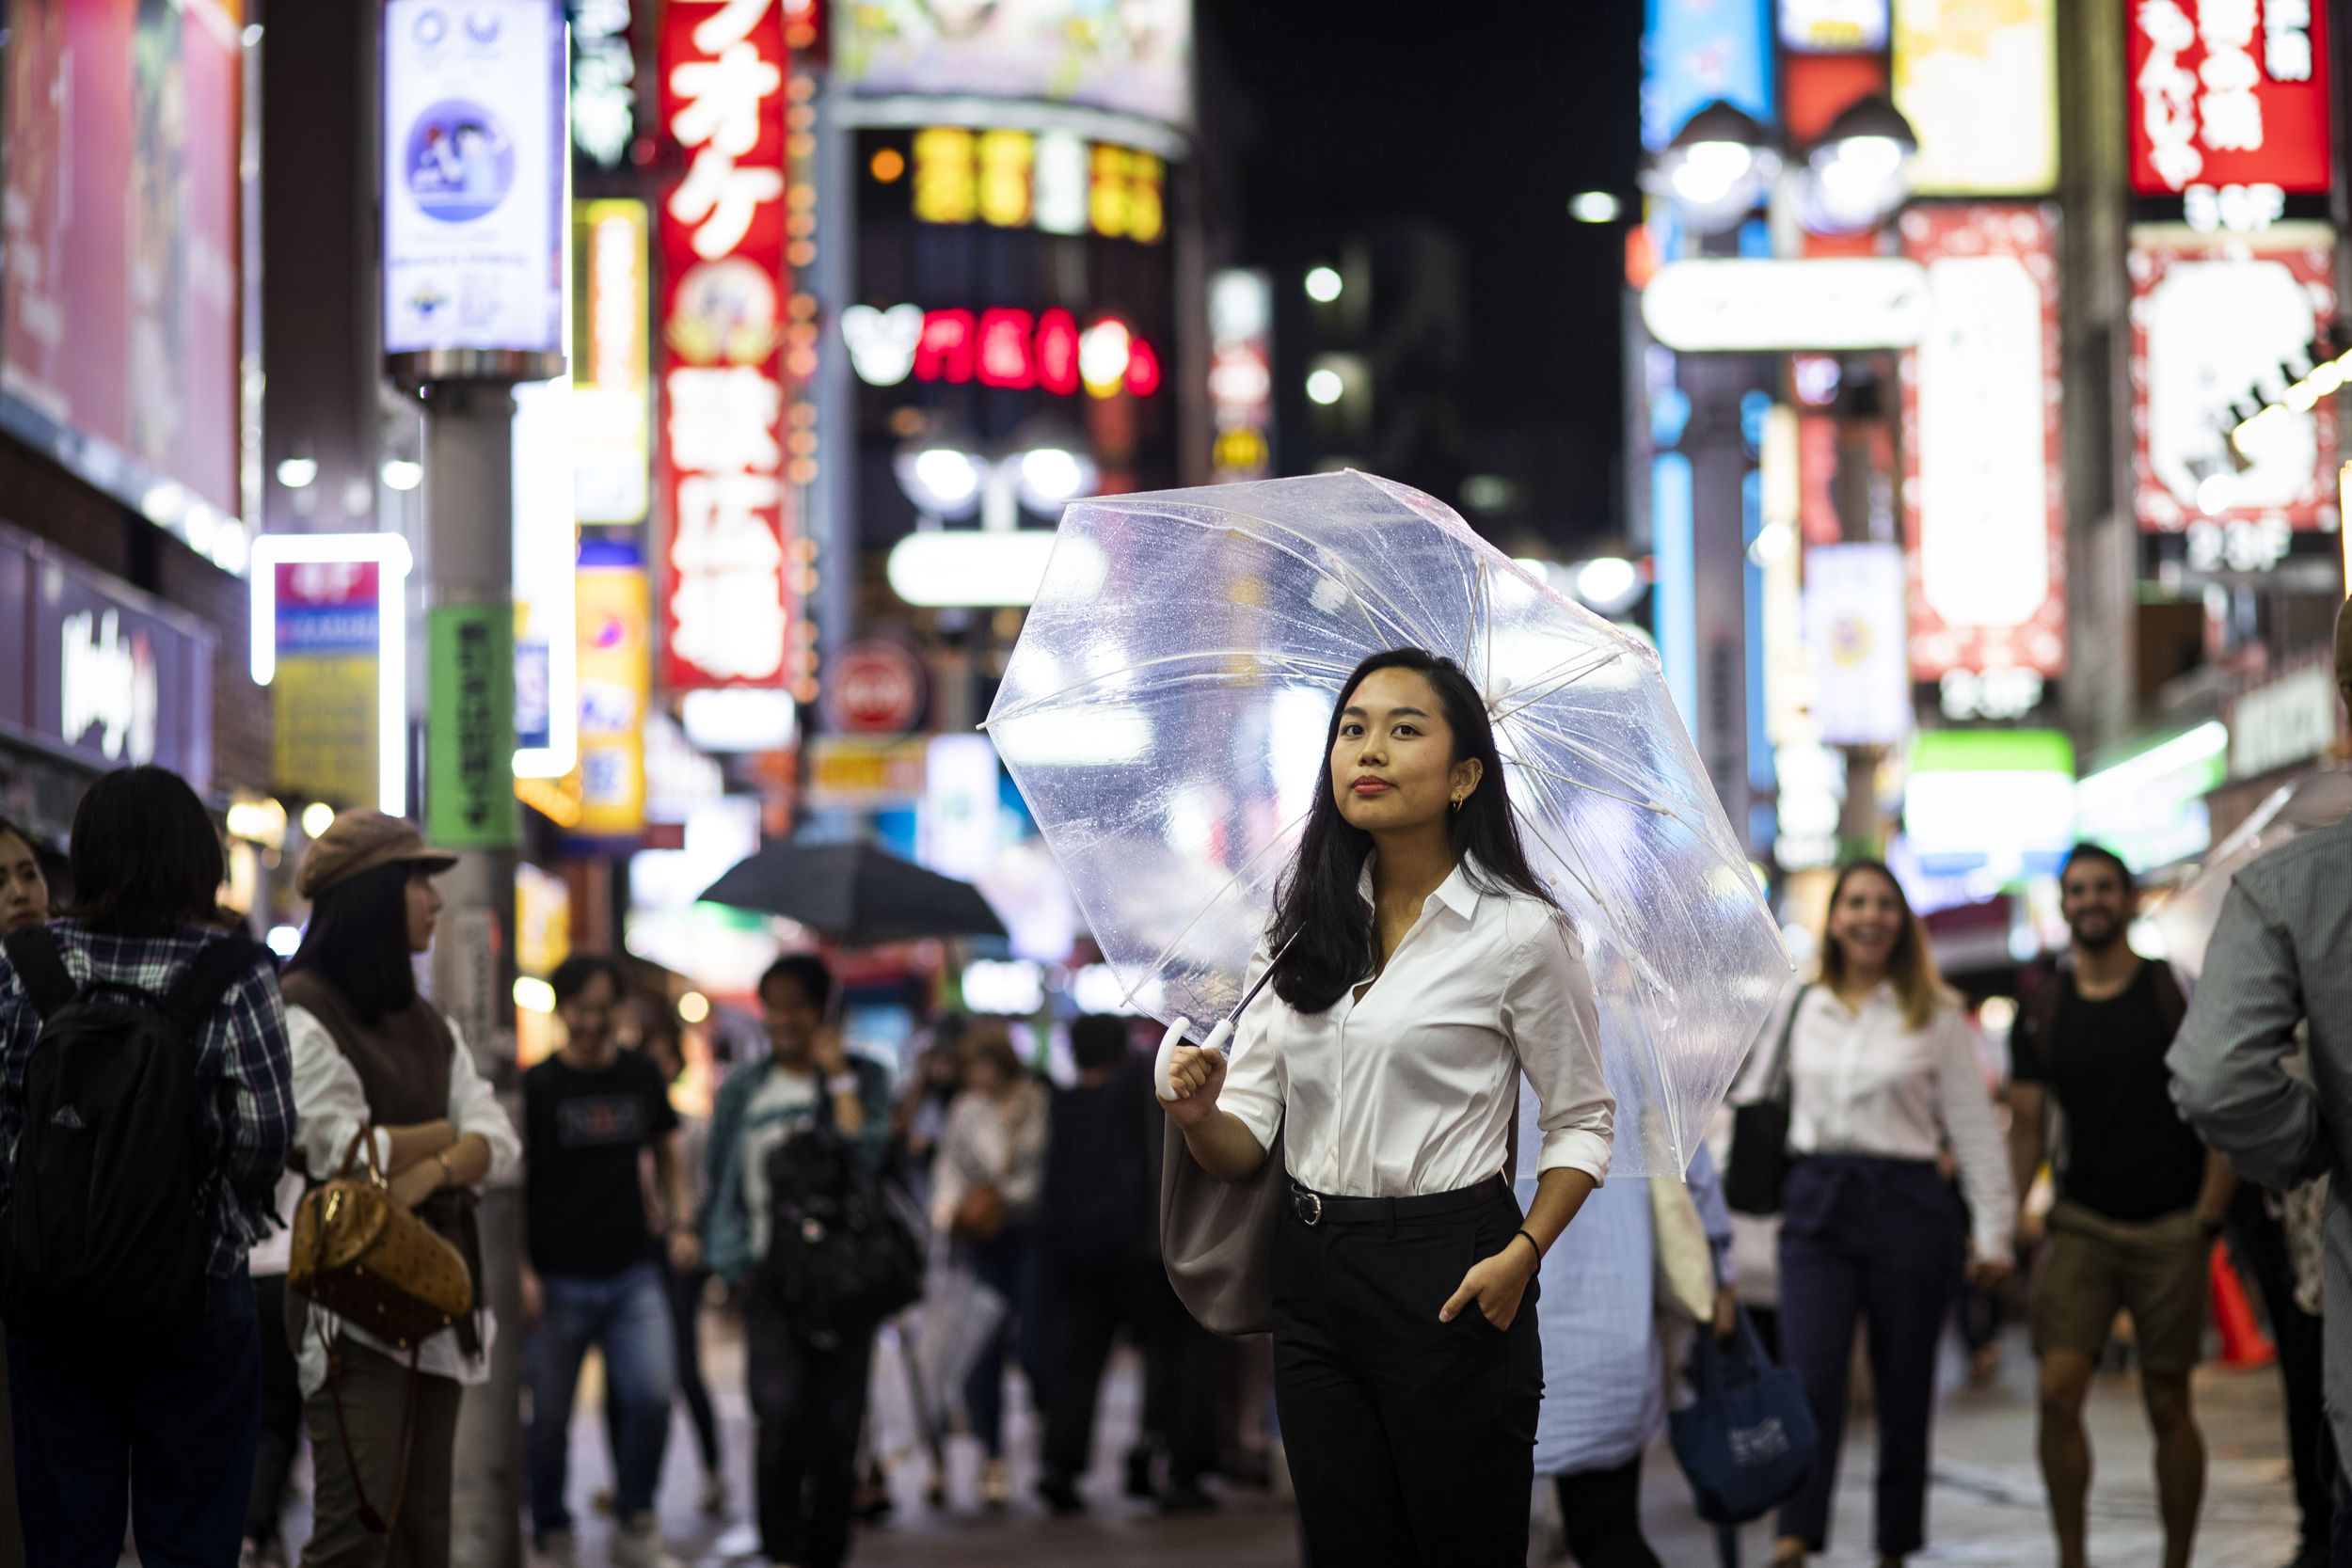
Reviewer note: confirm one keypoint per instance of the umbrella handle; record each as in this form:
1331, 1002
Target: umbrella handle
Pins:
1174, 1038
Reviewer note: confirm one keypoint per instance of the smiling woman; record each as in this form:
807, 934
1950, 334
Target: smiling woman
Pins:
1411, 927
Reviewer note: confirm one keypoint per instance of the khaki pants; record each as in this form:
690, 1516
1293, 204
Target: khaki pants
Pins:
375, 1400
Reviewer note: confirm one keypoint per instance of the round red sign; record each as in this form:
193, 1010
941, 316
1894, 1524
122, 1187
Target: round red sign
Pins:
874, 688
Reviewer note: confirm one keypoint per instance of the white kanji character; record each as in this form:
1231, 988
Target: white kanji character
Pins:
2288, 56
724, 99
2229, 70
730, 24
2234, 121
2226, 23
730, 625
723, 420
722, 524
2168, 27
720, 200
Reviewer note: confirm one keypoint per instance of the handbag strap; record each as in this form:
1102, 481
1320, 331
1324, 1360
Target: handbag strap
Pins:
373, 1522
1776, 1081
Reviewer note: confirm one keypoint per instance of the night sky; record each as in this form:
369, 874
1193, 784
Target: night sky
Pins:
1485, 118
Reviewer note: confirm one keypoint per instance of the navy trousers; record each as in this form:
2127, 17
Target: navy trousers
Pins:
1885, 1240
166, 1429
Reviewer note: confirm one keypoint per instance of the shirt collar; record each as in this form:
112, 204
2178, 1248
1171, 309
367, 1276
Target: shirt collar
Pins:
1455, 893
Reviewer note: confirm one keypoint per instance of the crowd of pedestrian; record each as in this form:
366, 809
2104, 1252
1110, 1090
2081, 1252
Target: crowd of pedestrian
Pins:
2152, 1119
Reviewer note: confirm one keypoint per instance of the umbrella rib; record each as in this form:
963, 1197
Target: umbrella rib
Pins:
1209, 903
1285, 663
1526, 696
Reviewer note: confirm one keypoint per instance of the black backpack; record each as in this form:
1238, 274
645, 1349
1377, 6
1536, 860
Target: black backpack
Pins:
108, 1223
842, 1255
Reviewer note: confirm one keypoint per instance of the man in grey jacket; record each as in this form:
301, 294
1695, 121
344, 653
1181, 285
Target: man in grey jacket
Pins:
2282, 955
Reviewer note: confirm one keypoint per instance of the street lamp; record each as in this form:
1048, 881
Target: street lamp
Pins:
1716, 169
1045, 467
1860, 171
943, 474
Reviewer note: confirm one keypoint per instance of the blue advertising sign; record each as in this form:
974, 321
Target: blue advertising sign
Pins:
1696, 51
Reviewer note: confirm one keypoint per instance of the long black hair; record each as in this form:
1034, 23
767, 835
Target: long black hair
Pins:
1318, 908
146, 857
358, 940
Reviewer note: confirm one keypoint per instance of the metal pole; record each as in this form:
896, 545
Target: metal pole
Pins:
468, 516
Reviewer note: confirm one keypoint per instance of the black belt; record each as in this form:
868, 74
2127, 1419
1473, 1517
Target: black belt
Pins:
1310, 1207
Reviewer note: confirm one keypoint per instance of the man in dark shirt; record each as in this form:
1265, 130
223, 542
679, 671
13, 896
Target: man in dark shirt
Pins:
2140, 1200
590, 1113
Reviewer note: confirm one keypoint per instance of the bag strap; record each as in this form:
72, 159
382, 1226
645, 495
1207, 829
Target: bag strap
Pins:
1776, 1080
197, 992
34, 952
373, 1522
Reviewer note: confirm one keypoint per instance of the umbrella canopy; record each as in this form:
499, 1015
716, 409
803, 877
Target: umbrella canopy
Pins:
1164, 709
855, 895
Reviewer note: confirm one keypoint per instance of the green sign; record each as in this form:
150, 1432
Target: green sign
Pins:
469, 728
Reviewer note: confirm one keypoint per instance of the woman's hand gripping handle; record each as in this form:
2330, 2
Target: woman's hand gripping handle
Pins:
1187, 1077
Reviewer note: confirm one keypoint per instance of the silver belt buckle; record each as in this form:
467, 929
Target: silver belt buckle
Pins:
1307, 1206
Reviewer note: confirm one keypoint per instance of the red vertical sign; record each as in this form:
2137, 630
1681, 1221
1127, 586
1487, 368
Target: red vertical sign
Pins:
2228, 92
725, 600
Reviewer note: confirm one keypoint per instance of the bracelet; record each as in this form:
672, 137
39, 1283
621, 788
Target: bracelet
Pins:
841, 1083
449, 1176
1531, 1242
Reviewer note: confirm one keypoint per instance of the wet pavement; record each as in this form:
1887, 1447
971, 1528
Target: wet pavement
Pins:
1986, 1506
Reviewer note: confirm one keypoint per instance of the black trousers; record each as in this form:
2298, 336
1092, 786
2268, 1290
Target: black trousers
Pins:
2261, 1243
686, 1315
281, 1411
1886, 1241
1085, 1302
1600, 1516
807, 1405
1411, 1442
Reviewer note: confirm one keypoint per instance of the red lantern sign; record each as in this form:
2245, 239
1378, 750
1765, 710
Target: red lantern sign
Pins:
2228, 92
874, 688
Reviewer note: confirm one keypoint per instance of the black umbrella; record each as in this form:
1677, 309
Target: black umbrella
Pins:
855, 895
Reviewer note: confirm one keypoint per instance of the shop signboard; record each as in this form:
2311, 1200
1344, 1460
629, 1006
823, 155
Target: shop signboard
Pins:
1133, 58
1993, 804
863, 773
120, 300
1832, 26
110, 675
1853, 625
1694, 52
1241, 373
470, 727
476, 153
322, 696
2228, 92
728, 610
876, 685
615, 677
546, 679
2149, 806
612, 374
2213, 318
1755, 304
1984, 517
1978, 84
2283, 721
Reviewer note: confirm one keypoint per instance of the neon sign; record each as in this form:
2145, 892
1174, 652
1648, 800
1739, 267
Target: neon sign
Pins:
1000, 347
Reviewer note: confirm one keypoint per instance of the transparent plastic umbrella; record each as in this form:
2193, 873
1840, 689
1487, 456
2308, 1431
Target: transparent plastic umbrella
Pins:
1163, 714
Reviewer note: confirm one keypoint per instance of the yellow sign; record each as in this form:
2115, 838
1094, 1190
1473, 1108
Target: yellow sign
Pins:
614, 607
543, 920
850, 774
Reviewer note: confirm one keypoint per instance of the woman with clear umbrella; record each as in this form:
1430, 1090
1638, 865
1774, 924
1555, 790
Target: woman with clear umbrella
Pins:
1419, 967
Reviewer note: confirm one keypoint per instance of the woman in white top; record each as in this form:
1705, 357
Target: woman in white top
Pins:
369, 1053
1883, 1075
1423, 970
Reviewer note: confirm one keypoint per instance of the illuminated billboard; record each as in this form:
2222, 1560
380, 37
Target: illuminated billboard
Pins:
119, 329
1983, 500
474, 155
1978, 84
2213, 319
1135, 57
2224, 92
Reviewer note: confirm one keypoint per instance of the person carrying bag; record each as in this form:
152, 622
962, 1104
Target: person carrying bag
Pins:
1423, 970
384, 1085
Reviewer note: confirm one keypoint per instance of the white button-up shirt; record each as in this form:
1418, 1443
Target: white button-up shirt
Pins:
1864, 1082
1412, 1089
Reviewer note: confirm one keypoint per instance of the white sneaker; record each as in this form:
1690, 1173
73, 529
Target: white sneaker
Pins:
636, 1544
737, 1542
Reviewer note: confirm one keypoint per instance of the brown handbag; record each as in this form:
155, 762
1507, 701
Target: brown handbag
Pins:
981, 1214
358, 1254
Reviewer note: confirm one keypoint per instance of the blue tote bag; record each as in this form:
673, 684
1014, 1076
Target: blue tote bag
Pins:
1748, 1440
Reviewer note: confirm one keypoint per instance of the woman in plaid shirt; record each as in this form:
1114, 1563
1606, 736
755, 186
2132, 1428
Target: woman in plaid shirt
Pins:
181, 1413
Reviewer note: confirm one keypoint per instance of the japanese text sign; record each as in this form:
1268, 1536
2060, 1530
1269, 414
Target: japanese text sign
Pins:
2228, 92
722, 231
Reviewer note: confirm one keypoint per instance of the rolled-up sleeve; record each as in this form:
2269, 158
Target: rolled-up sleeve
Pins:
1549, 1013
1965, 1106
1253, 1091
2227, 1060
474, 1112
